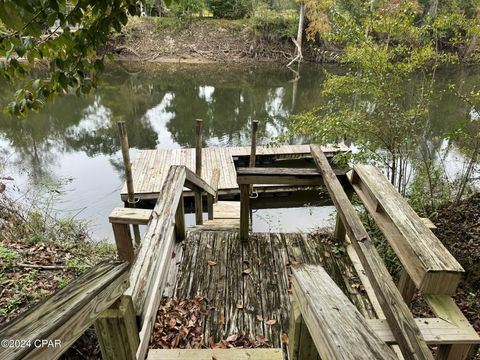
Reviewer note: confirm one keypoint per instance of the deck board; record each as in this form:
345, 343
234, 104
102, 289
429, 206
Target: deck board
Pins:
244, 302
150, 167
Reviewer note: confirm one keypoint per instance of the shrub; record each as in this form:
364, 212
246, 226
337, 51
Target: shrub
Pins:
274, 25
229, 9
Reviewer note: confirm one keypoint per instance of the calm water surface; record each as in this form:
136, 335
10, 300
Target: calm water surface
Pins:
70, 150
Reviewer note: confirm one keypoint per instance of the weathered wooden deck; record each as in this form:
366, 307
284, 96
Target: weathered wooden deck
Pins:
249, 284
150, 167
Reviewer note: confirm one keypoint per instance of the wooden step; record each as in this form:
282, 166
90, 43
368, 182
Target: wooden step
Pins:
217, 354
226, 210
218, 225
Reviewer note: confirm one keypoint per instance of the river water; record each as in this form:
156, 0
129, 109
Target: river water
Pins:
68, 155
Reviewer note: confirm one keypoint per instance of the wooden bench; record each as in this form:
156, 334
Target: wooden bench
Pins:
323, 312
428, 263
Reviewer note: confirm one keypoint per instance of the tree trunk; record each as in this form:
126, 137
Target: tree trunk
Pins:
432, 11
159, 7
301, 21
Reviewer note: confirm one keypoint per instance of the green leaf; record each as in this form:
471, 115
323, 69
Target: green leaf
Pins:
10, 16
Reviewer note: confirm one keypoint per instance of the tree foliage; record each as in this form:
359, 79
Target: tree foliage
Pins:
229, 9
59, 38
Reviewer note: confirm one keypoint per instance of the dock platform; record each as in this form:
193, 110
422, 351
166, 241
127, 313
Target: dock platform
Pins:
150, 167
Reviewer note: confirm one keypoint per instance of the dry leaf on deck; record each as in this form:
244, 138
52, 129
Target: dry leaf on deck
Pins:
271, 322
211, 262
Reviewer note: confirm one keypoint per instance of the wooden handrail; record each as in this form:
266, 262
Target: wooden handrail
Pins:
336, 327
195, 182
398, 314
63, 317
278, 176
428, 263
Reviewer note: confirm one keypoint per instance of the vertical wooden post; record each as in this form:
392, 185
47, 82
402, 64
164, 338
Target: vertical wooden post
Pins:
244, 211
253, 148
198, 171
300, 342
128, 173
456, 351
123, 240
406, 287
294, 330
117, 331
210, 198
340, 231
180, 221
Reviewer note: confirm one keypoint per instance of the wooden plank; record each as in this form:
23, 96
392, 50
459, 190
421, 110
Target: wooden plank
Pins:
217, 225
130, 216
66, 314
180, 230
244, 212
145, 266
397, 312
284, 176
194, 182
406, 286
431, 267
123, 241
117, 332
338, 330
217, 354
434, 330
226, 210
152, 301
444, 307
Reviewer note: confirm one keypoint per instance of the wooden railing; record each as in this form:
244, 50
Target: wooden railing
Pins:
432, 269
120, 298
246, 177
48, 329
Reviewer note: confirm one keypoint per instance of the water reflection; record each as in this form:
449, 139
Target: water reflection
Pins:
76, 137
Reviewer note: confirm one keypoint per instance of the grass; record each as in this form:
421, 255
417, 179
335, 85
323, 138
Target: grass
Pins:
30, 242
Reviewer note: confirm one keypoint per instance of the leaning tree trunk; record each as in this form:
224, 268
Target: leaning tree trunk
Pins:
298, 42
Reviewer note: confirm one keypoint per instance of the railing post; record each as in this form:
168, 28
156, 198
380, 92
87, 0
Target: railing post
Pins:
128, 174
244, 211
123, 241
253, 148
180, 221
117, 331
198, 171
300, 342
210, 198
340, 231
406, 286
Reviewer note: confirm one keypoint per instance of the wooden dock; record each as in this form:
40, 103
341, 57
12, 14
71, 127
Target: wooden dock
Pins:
270, 286
150, 167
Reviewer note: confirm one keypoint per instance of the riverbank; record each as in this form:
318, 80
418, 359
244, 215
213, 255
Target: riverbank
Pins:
208, 40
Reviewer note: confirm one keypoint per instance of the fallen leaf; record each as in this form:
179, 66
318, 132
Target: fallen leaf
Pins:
326, 253
211, 262
259, 317
271, 322
239, 306
232, 338
221, 319
246, 271
284, 338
